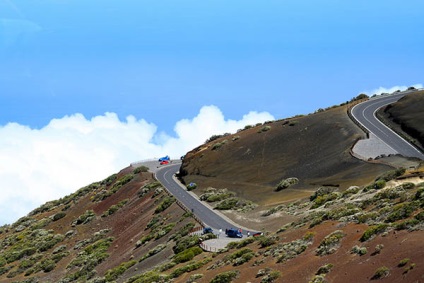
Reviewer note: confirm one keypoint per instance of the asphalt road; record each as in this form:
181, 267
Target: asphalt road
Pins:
364, 113
208, 216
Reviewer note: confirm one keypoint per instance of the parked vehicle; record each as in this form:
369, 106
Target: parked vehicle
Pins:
164, 162
233, 233
165, 158
207, 230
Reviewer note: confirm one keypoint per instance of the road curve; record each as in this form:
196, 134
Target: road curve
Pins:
208, 216
364, 113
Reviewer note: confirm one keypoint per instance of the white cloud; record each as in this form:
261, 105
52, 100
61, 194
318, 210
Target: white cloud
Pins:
46, 164
381, 90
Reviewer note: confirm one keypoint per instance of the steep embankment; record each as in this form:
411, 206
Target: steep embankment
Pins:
406, 117
125, 223
314, 148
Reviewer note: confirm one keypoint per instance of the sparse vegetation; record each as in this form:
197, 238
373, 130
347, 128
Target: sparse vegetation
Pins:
154, 243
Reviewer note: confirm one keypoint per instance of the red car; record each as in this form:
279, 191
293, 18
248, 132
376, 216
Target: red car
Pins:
164, 162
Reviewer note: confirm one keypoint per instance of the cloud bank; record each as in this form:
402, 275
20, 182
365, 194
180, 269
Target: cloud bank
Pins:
381, 90
39, 165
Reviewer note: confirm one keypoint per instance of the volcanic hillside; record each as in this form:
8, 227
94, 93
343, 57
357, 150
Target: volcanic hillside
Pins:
315, 149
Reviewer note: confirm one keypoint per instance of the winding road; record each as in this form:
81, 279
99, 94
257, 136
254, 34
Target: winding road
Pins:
364, 113
206, 214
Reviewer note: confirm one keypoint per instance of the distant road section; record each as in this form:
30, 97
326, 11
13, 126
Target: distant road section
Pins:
382, 139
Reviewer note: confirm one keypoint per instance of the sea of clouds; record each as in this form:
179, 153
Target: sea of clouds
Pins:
39, 165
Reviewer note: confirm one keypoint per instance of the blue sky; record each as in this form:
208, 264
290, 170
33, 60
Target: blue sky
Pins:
175, 65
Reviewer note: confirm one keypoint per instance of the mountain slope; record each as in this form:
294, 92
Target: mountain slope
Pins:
315, 149
343, 220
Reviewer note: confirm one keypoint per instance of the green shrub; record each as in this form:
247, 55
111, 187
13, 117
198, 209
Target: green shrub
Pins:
329, 243
324, 269
109, 180
243, 258
320, 200
114, 208
403, 262
189, 267
113, 274
185, 243
401, 211
265, 241
84, 218
227, 204
47, 265
264, 129
407, 224
309, 236
187, 255
225, 277
359, 250
140, 169
373, 230
219, 144
148, 277
419, 196
162, 231
213, 138
322, 191
381, 273
350, 191
242, 243
152, 252
284, 184
166, 202
390, 175
58, 216
272, 276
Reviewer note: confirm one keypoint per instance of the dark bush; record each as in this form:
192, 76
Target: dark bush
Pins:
58, 216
